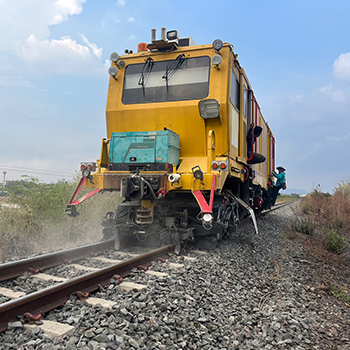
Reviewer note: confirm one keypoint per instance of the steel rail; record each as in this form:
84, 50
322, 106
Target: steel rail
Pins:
276, 207
52, 297
16, 268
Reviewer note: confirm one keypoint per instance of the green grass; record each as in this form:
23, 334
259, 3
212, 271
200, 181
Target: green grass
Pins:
334, 242
339, 293
303, 225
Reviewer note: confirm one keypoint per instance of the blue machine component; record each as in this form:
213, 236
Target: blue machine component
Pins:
144, 147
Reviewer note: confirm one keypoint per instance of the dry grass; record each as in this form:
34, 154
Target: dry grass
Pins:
330, 211
329, 217
322, 225
24, 232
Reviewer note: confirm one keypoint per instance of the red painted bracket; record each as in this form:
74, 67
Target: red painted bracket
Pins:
31, 318
205, 208
73, 201
81, 295
119, 279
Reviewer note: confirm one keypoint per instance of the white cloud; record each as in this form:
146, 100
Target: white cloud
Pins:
341, 66
338, 138
296, 99
19, 82
333, 94
120, 18
64, 8
95, 49
130, 38
338, 96
21, 18
64, 55
326, 89
107, 64
121, 2
27, 24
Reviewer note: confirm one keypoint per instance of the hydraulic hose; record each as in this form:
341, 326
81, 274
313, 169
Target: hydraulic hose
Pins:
150, 188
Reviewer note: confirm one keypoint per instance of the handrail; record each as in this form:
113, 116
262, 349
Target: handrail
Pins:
210, 149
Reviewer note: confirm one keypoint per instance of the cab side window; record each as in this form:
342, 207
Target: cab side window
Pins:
235, 88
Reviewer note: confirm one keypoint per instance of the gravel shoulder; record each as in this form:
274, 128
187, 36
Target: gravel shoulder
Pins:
262, 291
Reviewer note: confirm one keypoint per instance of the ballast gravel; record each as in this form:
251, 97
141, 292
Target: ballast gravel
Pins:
252, 292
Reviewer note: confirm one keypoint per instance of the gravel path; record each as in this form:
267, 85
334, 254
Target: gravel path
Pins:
253, 292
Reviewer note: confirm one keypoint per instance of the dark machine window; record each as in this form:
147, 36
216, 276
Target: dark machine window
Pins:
246, 108
173, 80
235, 88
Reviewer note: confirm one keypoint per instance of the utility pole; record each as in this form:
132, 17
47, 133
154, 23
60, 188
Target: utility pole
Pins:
3, 184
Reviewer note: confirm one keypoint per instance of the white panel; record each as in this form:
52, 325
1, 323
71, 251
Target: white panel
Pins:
235, 128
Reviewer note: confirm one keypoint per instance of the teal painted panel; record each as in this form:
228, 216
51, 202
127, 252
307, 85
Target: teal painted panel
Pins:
144, 147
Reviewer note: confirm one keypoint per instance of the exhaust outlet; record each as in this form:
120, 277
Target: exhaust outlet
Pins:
163, 33
154, 35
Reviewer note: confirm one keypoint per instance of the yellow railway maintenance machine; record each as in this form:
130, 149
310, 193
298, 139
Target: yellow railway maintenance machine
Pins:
186, 145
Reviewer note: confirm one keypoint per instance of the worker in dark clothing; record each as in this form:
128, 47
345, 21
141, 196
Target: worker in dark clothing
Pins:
280, 183
253, 133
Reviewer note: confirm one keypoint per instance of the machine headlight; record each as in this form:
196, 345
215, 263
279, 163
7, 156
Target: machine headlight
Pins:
216, 60
114, 57
113, 71
198, 173
218, 45
209, 109
172, 35
207, 218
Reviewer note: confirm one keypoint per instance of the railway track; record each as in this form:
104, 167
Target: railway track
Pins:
38, 263
265, 212
50, 298
276, 207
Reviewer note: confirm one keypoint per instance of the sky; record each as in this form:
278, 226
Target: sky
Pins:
54, 57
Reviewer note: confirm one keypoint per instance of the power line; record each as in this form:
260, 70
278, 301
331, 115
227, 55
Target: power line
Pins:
36, 171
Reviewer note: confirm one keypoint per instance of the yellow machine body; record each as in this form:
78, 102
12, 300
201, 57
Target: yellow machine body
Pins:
201, 140
186, 145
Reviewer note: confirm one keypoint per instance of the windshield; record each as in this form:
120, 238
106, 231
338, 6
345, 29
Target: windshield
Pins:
172, 80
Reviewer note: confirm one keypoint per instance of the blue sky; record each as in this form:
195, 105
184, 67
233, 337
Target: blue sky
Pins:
54, 57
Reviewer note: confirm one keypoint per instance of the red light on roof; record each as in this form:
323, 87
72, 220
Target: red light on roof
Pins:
142, 47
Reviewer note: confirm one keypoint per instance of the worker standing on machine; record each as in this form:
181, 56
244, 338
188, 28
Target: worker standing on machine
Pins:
280, 183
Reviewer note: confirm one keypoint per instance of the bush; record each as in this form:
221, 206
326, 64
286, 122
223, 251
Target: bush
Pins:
342, 296
334, 242
39, 221
304, 225
327, 218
